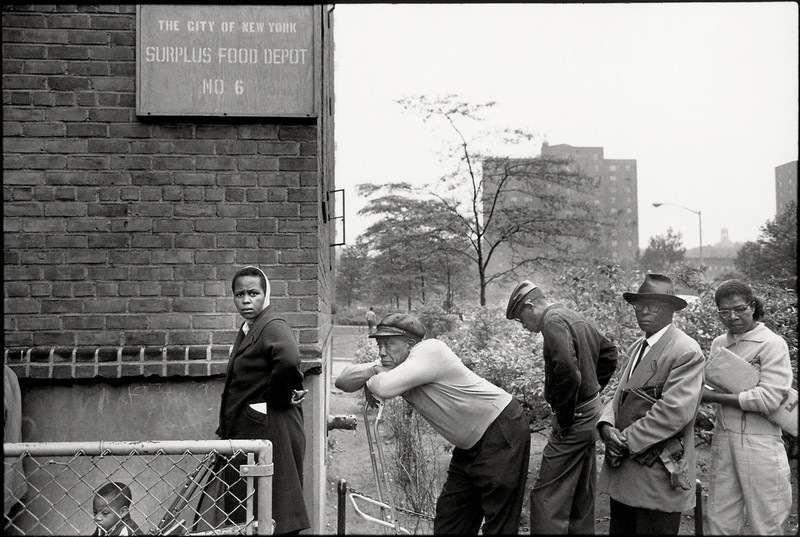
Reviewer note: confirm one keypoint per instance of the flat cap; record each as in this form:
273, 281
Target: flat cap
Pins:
399, 324
518, 297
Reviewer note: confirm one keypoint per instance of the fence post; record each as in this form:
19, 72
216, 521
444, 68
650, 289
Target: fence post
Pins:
698, 509
341, 507
262, 471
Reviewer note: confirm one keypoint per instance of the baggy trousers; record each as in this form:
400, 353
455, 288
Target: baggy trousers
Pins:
562, 499
749, 473
487, 481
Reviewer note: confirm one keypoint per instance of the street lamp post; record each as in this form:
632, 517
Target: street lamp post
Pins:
699, 221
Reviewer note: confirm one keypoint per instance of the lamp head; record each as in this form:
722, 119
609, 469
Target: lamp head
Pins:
657, 204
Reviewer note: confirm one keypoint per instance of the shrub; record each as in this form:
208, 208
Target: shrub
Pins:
414, 459
436, 320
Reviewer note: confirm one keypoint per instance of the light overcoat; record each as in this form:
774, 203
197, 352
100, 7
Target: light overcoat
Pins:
675, 364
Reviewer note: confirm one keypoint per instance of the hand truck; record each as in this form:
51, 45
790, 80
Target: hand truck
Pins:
385, 499
172, 525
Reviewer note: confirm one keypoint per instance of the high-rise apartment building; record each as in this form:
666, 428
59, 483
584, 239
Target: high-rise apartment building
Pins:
615, 195
613, 192
785, 185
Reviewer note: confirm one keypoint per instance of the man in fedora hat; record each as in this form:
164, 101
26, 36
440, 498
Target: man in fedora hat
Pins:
648, 424
579, 361
489, 467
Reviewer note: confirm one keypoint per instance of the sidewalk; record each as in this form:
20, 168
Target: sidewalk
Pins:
345, 344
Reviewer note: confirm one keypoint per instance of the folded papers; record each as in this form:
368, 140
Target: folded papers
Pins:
727, 372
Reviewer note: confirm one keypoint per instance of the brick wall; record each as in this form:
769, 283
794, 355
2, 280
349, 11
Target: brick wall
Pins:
121, 234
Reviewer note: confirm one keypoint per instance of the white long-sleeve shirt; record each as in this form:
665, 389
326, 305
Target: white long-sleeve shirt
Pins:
459, 404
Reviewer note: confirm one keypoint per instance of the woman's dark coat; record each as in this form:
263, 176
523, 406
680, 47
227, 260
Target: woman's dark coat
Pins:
264, 367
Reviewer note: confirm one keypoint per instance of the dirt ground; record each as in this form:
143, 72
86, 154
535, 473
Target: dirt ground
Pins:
348, 459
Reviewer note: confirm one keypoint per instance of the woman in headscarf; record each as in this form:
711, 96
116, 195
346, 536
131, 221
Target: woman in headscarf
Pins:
749, 467
261, 400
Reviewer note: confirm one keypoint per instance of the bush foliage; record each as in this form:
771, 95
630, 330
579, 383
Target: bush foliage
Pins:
502, 352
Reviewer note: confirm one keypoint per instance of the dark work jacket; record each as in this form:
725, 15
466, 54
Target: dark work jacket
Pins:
264, 367
578, 361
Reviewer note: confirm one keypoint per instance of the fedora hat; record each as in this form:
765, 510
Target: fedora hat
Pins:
518, 298
656, 286
399, 324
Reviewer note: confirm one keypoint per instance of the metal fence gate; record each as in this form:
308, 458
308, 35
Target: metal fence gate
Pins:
178, 487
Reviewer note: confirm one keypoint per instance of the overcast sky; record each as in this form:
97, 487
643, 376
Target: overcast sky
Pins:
703, 96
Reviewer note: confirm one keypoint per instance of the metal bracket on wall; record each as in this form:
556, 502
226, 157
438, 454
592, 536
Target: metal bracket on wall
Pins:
327, 209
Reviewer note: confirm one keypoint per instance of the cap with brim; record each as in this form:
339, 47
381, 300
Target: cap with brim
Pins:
399, 324
518, 298
656, 287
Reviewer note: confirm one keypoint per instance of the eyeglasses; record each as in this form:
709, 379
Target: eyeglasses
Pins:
736, 310
653, 307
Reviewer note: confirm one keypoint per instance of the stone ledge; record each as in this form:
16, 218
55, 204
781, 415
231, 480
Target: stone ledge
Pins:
128, 361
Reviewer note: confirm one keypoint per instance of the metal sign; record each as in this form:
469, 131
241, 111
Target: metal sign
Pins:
214, 60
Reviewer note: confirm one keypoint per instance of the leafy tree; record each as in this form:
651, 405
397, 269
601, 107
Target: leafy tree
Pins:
395, 270
471, 208
774, 254
351, 277
412, 254
663, 251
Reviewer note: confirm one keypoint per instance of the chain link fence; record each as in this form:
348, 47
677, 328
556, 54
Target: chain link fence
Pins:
215, 487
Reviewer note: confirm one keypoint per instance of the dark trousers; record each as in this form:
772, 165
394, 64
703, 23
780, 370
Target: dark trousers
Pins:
627, 520
487, 481
562, 499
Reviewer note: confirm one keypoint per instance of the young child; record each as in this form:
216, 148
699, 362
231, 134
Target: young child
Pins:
111, 508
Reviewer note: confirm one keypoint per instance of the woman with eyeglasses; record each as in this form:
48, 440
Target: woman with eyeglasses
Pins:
749, 466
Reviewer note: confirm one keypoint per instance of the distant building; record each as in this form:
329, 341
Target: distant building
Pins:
785, 185
612, 190
616, 194
718, 258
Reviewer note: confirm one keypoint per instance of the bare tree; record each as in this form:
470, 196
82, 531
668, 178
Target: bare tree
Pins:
537, 208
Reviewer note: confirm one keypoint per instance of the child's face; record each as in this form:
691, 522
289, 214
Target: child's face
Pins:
249, 296
107, 512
